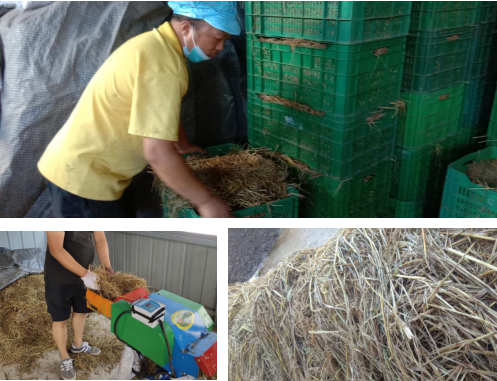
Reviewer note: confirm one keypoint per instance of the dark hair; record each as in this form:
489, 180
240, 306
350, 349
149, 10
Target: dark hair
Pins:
197, 23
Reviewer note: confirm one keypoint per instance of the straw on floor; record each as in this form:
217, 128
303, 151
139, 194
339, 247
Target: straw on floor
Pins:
372, 304
242, 178
113, 286
26, 331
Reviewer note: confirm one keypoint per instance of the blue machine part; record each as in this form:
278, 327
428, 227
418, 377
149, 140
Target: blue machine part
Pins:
192, 338
187, 334
198, 348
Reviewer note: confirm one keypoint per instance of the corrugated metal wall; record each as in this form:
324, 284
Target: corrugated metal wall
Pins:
23, 240
184, 264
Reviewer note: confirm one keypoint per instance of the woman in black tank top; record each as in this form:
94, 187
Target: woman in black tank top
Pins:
67, 275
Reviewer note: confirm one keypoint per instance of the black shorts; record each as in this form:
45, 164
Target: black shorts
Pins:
61, 297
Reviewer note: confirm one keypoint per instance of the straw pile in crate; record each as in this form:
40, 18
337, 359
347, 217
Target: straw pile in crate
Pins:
484, 173
26, 331
242, 178
372, 304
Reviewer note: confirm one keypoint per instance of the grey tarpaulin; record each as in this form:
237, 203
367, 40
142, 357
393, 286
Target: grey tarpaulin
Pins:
16, 264
48, 65
51, 54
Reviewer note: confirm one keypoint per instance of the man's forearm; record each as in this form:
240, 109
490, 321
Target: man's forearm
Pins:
174, 172
103, 253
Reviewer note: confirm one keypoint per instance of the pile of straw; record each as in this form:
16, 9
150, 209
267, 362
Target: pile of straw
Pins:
483, 173
372, 304
26, 331
242, 178
114, 286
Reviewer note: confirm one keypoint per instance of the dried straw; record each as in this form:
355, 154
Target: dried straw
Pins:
26, 331
292, 104
483, 173
113, 286
242, 178
372, 304
294, 42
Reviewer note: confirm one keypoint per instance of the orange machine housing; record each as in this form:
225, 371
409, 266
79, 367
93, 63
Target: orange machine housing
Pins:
104, 306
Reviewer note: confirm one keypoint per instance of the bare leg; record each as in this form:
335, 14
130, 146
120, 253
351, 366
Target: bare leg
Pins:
78, 326
59, 330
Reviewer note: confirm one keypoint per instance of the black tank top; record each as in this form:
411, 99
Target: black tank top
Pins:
80, 246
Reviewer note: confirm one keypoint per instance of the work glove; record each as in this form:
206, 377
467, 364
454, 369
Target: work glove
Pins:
90, 280
110, 271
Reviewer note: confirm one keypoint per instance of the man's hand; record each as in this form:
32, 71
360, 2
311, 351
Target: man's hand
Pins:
171, 168
214, 208
90, 280
110, 271
183, 148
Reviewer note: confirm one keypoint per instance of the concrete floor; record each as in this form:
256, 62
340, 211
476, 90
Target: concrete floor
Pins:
48, 366
247, 249
253, 252
292, 240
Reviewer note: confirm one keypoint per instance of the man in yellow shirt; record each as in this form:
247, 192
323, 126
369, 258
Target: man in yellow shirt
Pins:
129, 117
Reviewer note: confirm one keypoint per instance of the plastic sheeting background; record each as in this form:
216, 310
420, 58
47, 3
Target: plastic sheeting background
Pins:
50, 55
16, 264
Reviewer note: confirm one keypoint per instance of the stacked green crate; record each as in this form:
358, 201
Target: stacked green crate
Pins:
418, 177
492, 127
321, 78
342, 22
438, 49
481, 77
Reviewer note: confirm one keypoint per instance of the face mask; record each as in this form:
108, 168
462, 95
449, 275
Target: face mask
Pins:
196, 55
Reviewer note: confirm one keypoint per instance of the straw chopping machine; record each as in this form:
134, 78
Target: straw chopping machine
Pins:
172, 331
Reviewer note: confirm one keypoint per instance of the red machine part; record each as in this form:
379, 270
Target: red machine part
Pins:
132, 296
207, 362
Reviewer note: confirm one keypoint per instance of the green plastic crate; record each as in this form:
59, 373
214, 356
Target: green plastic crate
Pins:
338, 146
415, 209
417, 173
436, 82
341, 79
474, 139
483, 40
429, 116
287, 122
492, 127
329, 21
365, 196
436, 15
486, 12
463, 198
483, 54
285, 208
407, 209
477, 103
435, 60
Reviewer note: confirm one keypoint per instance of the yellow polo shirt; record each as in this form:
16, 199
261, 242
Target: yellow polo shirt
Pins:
136, 93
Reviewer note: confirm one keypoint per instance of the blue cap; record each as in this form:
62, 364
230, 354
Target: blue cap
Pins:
220, 14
